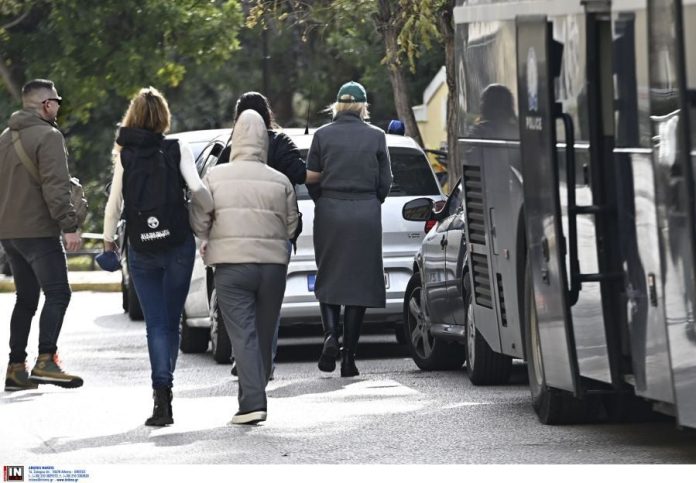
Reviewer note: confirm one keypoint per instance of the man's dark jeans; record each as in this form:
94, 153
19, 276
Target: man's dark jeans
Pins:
162, 282
37, 264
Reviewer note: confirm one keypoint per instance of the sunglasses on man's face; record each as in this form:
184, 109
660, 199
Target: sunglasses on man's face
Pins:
57, 100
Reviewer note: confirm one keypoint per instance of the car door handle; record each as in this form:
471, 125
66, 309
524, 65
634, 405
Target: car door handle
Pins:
443, 241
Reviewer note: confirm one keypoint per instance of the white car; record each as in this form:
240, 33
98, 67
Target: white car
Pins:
413, 178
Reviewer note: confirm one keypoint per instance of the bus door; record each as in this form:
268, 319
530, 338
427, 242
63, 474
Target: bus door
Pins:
637, 195
545, 241
674, 193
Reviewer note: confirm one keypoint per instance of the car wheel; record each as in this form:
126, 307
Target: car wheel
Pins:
400, 333
194, 340
552, 406
135, 311
124, 296
483, 365
4, 263
428, 352
219, 340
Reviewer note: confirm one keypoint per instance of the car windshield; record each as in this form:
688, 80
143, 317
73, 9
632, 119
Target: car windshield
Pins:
412, 175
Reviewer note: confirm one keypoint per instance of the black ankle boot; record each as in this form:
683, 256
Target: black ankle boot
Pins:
329, 318
327, 360
348, 368
162, 409
351, 333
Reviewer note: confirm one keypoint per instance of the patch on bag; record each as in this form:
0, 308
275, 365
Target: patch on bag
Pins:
155, 235
152, 222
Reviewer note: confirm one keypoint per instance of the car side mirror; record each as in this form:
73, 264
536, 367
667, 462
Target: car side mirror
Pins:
211, 159
420, 209
217, 149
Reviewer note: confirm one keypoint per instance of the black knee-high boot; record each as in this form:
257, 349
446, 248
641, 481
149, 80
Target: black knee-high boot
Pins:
352, 321
162, 409
329, 318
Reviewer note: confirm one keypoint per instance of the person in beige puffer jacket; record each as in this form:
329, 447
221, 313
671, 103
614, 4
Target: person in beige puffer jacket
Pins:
246, 239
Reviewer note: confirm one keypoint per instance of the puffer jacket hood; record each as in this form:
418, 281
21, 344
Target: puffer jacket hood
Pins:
249, 138
253, 212
24, 119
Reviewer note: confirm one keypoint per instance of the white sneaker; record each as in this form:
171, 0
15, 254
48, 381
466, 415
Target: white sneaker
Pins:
252, 417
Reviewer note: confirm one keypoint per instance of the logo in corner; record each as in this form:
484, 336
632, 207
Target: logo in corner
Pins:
532, 80
152, 222
13, 473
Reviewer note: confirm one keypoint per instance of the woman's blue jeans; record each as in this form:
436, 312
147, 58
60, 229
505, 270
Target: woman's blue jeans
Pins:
162, 282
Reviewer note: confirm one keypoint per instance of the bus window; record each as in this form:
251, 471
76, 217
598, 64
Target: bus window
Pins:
482, 43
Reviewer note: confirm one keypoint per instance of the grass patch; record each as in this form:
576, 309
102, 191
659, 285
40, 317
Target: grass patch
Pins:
82, 263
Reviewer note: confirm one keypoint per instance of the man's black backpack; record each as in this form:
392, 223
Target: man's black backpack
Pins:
154, 195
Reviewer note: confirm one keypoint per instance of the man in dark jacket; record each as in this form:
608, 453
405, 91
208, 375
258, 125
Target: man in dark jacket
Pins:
33, 215
283, 156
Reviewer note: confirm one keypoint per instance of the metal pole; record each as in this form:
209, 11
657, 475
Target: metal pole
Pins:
265, 62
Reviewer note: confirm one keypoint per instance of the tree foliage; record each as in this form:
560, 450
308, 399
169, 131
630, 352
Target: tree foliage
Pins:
203, 54
406, 29
100, 53
95, 50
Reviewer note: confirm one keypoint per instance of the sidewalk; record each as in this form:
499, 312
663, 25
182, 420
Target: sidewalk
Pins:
96, 281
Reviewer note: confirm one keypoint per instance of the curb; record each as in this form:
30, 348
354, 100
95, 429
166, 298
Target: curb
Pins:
8, 286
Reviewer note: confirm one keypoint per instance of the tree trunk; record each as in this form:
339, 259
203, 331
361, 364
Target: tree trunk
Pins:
402, 100
454, 166
12, 87
389, 29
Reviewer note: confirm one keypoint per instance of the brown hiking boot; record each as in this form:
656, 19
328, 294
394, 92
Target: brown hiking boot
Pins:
17, 378
48, 371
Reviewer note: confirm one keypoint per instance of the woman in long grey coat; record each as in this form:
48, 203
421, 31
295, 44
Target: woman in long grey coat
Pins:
349, 159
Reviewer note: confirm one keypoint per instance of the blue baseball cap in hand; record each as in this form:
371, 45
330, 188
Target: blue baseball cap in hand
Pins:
109, 261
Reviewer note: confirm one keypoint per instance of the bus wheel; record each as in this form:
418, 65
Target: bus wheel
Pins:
428, 352
552, 406
483, 365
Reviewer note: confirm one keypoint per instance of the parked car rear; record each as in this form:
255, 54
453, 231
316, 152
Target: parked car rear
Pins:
413, 178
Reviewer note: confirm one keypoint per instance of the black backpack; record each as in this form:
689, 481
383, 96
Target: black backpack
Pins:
154, 195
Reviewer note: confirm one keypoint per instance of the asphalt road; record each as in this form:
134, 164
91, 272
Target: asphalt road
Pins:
391, 413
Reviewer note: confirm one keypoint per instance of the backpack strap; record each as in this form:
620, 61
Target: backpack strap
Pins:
26, 161
298, 229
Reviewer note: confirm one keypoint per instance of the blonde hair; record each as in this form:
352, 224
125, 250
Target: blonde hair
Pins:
148, 110
359, 107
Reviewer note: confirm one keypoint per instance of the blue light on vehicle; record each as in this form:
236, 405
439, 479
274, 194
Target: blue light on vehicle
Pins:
311, 280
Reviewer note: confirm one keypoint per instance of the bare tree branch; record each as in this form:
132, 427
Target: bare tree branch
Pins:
15, 21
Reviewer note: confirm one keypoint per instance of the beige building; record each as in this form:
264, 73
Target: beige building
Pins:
431, 117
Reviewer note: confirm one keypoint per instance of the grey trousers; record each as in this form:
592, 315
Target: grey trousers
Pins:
250, 296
